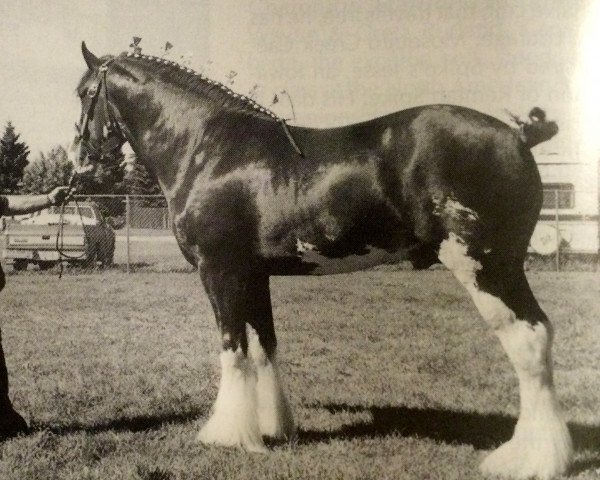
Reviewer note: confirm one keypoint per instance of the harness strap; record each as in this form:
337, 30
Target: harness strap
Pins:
93, 93
289, 136
103, 70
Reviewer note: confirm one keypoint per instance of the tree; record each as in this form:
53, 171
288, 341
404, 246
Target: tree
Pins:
13, 160
50, 170
140, 181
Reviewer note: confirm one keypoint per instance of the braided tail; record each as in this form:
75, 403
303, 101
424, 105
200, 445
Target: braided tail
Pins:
537, 129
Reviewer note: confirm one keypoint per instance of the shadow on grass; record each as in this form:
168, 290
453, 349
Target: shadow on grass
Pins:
140, 423
481, 431
586, 438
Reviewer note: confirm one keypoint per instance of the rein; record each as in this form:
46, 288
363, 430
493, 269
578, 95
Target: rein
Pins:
60, 238
84, 147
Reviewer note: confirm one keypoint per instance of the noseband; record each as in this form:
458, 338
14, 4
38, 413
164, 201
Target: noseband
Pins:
112, 137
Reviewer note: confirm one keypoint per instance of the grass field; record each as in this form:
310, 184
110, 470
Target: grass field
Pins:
392, 375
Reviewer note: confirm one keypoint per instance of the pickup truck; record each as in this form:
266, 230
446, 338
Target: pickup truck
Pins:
85, 238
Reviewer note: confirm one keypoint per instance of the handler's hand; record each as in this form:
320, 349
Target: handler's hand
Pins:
59, 195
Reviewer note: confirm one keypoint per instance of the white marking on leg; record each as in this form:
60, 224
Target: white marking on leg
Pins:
541, 444
234, 421
275, 417
453, 254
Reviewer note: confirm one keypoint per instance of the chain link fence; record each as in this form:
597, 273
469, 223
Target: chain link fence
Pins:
127, 232
133, 233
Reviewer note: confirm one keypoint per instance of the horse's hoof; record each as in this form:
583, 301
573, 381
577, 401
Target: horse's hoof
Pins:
280, 440
219, 432
520, 459
249, 446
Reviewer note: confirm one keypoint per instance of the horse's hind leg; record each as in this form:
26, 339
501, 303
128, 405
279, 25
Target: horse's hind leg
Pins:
541, 444
274, 414
234, 419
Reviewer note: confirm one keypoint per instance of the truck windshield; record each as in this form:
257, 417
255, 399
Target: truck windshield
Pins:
72, 210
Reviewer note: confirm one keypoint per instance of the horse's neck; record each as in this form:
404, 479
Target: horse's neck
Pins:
165, 132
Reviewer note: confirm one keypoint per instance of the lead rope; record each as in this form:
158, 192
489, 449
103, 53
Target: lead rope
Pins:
60, 238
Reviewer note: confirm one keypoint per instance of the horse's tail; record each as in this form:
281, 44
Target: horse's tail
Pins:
538, 129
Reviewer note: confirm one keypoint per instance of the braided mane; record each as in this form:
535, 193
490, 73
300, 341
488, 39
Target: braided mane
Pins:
193, 80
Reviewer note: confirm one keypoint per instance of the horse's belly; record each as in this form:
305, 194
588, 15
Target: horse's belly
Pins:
312, 262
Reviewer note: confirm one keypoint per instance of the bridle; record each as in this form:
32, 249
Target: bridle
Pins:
112, 139
112, 133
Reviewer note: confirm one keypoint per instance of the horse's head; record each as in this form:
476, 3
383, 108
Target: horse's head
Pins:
99, 135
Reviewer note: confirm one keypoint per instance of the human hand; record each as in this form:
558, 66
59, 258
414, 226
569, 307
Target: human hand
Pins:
59, 195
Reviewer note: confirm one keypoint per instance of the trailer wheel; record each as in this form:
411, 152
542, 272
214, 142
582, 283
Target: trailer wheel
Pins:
46, 265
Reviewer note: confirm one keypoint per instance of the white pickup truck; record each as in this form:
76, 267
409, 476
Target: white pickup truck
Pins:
85, 238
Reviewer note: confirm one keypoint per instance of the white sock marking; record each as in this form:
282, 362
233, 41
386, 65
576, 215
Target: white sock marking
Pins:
541, 444
275, 417
234, 420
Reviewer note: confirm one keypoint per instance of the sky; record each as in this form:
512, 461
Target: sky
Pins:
341, 61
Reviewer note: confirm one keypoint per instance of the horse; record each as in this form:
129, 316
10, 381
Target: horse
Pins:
251, 197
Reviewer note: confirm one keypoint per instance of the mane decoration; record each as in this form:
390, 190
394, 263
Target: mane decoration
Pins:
245, 100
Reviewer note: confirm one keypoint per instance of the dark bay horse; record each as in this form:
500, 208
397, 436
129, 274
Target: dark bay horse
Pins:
430, 184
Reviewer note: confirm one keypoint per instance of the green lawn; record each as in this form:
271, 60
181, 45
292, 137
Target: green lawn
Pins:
392, 375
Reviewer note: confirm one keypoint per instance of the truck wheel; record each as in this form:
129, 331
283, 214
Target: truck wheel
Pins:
20, 264
46, 265
90, 261
108, 260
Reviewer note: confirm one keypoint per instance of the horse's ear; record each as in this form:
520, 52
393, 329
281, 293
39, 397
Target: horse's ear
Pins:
91, 60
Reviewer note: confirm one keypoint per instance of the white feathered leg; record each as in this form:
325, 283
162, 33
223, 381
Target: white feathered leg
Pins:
541, 444
234, 420
275, 417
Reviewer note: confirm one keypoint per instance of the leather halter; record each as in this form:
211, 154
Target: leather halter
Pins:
114, 131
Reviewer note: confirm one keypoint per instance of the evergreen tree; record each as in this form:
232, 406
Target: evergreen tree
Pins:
140, 181
13, 160
49, 171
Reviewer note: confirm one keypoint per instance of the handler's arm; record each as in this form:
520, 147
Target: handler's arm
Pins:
22, 204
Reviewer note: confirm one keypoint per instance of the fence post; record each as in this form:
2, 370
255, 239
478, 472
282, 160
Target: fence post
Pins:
127, 223
557, 230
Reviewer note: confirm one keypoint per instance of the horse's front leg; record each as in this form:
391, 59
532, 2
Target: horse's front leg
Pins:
235, 419
275, 418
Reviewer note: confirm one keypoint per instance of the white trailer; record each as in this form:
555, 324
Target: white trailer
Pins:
569, 216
